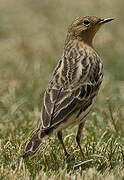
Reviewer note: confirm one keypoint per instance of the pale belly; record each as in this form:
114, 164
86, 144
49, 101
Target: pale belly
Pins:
73, 119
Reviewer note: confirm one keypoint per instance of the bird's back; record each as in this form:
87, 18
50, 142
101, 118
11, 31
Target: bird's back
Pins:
74, 84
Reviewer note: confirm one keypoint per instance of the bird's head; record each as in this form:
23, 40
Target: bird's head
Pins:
85, 28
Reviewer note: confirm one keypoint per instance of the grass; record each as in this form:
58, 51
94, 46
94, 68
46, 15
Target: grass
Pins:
31, 41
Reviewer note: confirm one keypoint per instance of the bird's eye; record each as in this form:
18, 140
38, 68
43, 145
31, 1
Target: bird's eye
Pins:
86, 22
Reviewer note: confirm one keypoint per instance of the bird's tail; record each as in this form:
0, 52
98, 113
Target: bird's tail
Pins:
32, 145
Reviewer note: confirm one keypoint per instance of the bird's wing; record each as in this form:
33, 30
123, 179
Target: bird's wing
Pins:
59, 103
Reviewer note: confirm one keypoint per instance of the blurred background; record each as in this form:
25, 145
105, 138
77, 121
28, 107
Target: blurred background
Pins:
32, 35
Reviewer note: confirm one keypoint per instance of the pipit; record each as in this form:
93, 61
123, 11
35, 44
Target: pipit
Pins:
73, 87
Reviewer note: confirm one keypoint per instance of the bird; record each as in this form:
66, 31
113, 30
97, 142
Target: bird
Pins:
73, 87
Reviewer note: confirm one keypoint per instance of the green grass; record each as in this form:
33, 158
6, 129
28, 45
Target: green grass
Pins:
31, 41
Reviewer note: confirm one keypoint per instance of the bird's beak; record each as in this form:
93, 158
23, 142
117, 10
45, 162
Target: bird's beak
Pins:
103, 21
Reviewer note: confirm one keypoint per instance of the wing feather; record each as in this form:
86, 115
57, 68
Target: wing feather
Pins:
60, 102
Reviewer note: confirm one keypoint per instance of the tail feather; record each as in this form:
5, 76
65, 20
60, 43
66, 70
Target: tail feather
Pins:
32, 145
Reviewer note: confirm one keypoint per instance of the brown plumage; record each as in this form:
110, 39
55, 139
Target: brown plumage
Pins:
74, 85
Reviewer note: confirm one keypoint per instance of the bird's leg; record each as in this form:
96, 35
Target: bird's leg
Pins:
59, 134
78, 137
